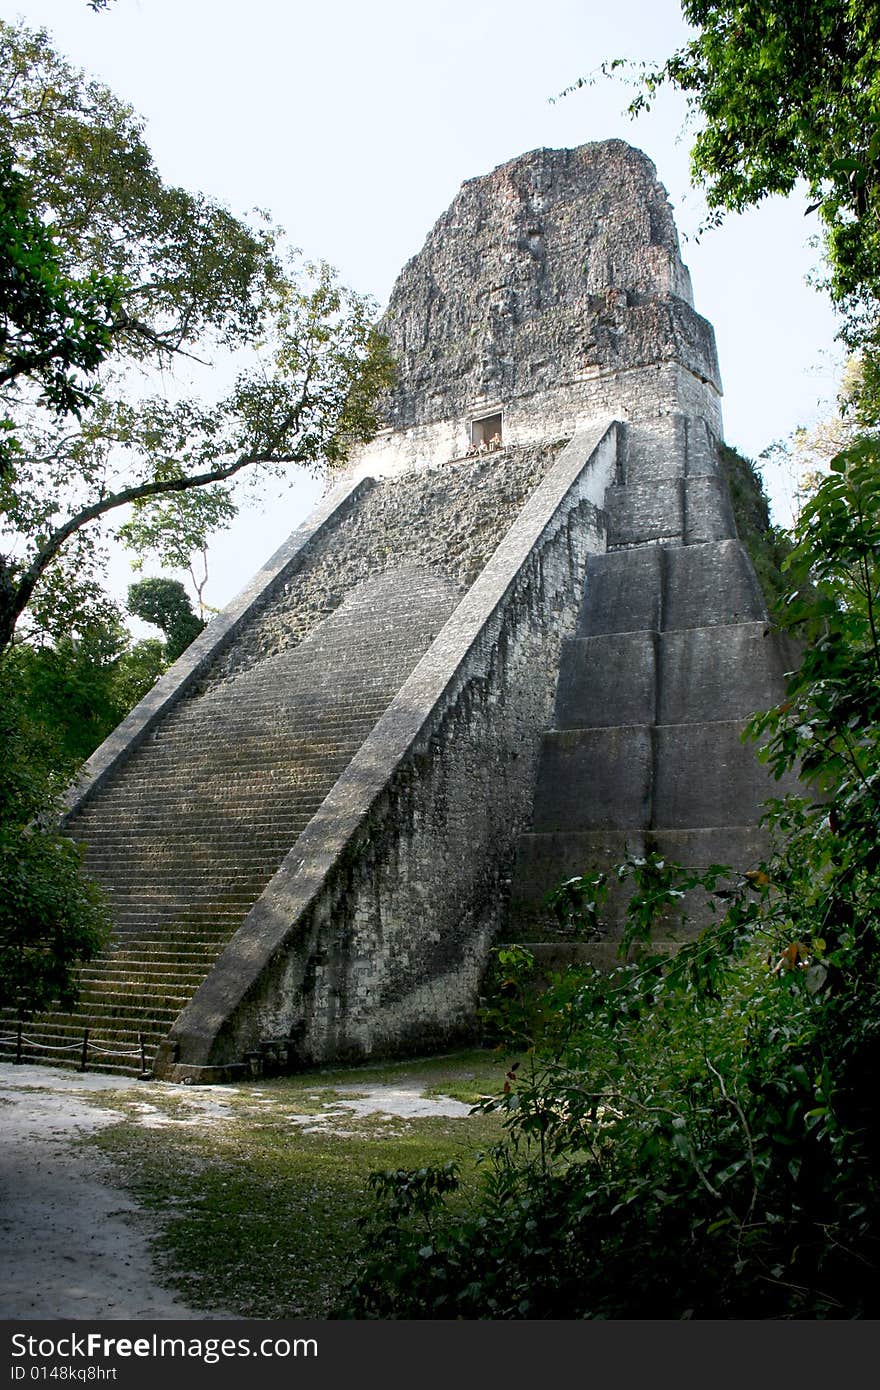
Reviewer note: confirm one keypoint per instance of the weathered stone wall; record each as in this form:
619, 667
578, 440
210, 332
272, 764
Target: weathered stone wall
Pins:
557, 264
638, 395
448, 524
373, 935
447, 520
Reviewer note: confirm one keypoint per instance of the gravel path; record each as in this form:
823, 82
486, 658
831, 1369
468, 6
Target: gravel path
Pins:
72, 1244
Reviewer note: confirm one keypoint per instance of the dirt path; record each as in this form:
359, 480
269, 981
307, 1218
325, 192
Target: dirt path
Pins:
72, 1243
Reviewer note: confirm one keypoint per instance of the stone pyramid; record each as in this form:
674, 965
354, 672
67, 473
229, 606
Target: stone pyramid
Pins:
519, 635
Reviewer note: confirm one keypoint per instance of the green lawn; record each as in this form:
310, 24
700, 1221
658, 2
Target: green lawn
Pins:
261, 1188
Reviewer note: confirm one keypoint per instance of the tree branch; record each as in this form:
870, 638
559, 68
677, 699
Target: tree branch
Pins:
16, 598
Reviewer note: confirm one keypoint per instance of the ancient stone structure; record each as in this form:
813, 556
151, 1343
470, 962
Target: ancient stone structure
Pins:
473, 670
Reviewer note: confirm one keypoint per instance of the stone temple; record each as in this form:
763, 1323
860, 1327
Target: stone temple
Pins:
466, 677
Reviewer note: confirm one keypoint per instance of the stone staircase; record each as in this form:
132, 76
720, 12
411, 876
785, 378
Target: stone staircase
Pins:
187, 834
672, 655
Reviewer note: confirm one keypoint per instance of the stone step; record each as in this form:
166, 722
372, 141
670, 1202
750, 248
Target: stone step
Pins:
669, 588
686, 676
201, 784
144, 950
191, 911
203, 793
190, 801
102, 990
190, 951
180, 923
188, 962
171, 979
128, 952
249, 862
637, 776
544, 861
49, 1031
194, 800
173, 935
110, 1016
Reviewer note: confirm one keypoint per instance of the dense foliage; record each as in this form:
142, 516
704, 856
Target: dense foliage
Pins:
51, 917
72, 693
767, 545
53, 329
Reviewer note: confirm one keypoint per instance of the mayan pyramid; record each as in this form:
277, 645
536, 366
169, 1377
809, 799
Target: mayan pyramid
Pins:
518, 637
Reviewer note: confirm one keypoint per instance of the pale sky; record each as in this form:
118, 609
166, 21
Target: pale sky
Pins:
354, 123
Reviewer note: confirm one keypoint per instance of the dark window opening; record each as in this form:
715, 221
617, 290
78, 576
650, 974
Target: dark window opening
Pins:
486, 433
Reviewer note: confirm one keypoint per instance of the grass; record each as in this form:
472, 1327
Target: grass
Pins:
260, 1201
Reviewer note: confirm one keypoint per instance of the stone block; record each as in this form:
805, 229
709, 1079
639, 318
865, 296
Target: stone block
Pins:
710, 583
705, 776
655, 450
730, 669
594, 779
740, 846
708, 511
607, 680
645, 513
701, 448
622, 592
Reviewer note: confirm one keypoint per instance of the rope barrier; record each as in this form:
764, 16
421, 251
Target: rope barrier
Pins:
110, 1052
49, 1047
86, 1045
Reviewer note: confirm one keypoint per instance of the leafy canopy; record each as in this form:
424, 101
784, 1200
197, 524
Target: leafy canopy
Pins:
54, 329
165, 603
171, 274
781, 95
52, 918
175, 530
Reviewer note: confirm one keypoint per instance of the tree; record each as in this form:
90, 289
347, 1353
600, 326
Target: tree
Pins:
53, 329
186, 278
52, 917
75, 690
176, 530
165, 604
